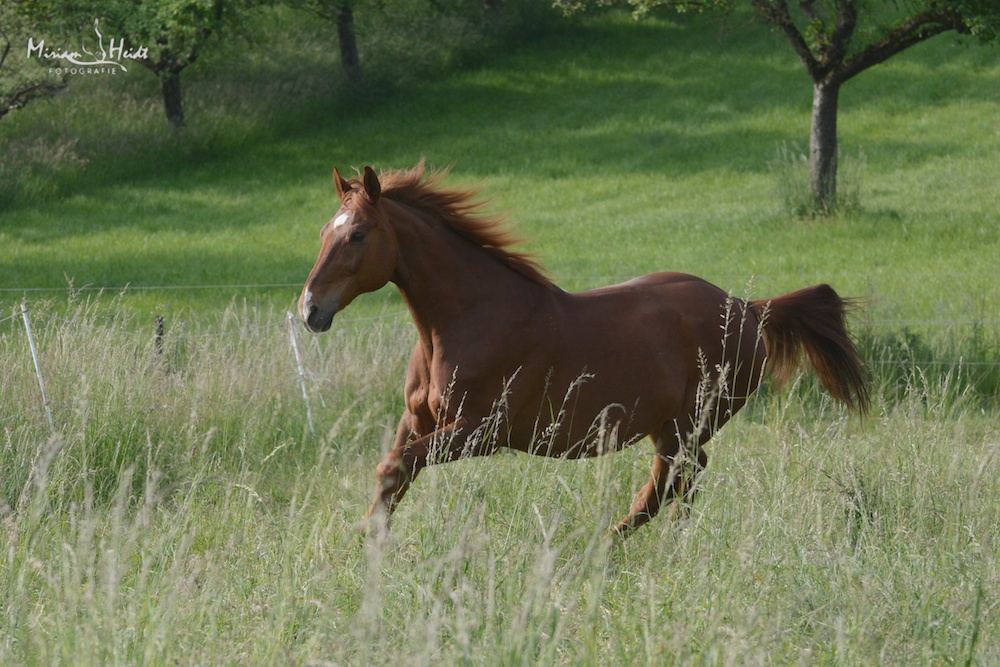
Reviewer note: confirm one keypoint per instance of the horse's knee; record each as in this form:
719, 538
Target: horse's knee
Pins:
389, 473
387, 467
391, 482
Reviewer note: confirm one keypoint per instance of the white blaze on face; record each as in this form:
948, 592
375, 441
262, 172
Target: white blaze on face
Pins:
341, 220
306, 305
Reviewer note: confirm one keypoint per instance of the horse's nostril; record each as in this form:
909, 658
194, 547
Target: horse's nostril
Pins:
314, 319
311, 314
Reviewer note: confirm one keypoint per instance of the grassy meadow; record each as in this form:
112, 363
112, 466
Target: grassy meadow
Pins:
186, 511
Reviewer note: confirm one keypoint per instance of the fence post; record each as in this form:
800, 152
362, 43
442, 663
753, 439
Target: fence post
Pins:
158, 338
302, 373
38, 366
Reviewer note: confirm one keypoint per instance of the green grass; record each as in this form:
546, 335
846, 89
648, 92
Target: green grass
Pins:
185, 513
661, 166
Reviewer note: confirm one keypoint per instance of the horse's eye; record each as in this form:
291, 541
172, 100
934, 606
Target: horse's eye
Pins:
357, 237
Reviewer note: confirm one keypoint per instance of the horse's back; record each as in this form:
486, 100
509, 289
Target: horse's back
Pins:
655, 300
665, 280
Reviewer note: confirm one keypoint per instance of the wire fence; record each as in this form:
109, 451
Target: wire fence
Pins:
287, 323
131, 287
943, 322
729, 278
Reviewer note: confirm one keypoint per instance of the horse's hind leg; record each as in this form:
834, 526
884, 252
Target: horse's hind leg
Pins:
675, 470
649, 499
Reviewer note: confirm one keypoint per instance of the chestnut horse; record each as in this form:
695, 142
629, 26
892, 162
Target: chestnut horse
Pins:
505, 358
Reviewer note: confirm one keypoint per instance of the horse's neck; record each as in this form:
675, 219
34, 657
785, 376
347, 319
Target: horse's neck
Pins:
446, 280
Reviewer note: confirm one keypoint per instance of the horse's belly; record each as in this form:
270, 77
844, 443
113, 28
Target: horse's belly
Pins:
583, 419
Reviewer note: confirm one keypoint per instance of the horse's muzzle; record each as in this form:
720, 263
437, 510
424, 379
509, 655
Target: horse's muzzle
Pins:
315, 318
316, 322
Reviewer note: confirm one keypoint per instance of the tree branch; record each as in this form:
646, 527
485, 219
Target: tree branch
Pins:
775, 12
24, 91
6, 48
917, 29
843, 31
20, 98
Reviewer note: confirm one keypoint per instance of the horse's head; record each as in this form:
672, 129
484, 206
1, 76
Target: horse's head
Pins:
358, 253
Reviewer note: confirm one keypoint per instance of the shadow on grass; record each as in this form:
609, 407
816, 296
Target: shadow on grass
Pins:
598, 96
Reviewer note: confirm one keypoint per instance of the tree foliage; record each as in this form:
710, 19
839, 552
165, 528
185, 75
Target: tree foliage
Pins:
839, 39
171, 33
176, 32
835, 40
21, 79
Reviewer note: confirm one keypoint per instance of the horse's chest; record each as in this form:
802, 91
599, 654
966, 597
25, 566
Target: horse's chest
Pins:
444, 397
430, 389
445, 386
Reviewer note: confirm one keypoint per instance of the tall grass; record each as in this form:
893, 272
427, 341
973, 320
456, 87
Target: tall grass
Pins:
790, 171
183, 513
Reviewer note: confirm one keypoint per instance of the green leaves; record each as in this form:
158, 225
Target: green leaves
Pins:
22, 79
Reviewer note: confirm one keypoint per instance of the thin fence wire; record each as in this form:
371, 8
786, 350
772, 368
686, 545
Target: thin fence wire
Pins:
17, 415
586, 279
286, 323
400, 312
193, 336
123, 332
130, 287
571, 279
888, 322
914, 323
907, 362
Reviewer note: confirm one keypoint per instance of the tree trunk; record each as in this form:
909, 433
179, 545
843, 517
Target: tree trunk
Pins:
170, 85
349, 59
823, 144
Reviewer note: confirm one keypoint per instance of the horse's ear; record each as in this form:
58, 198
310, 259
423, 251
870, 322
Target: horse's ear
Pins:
343, 187
372, 186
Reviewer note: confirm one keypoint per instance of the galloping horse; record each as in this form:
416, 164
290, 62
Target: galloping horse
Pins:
505, 358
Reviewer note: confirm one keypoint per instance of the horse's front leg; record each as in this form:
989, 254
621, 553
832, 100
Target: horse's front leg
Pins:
401, 465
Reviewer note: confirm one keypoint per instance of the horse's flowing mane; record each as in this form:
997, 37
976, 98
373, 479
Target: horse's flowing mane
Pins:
461, 212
